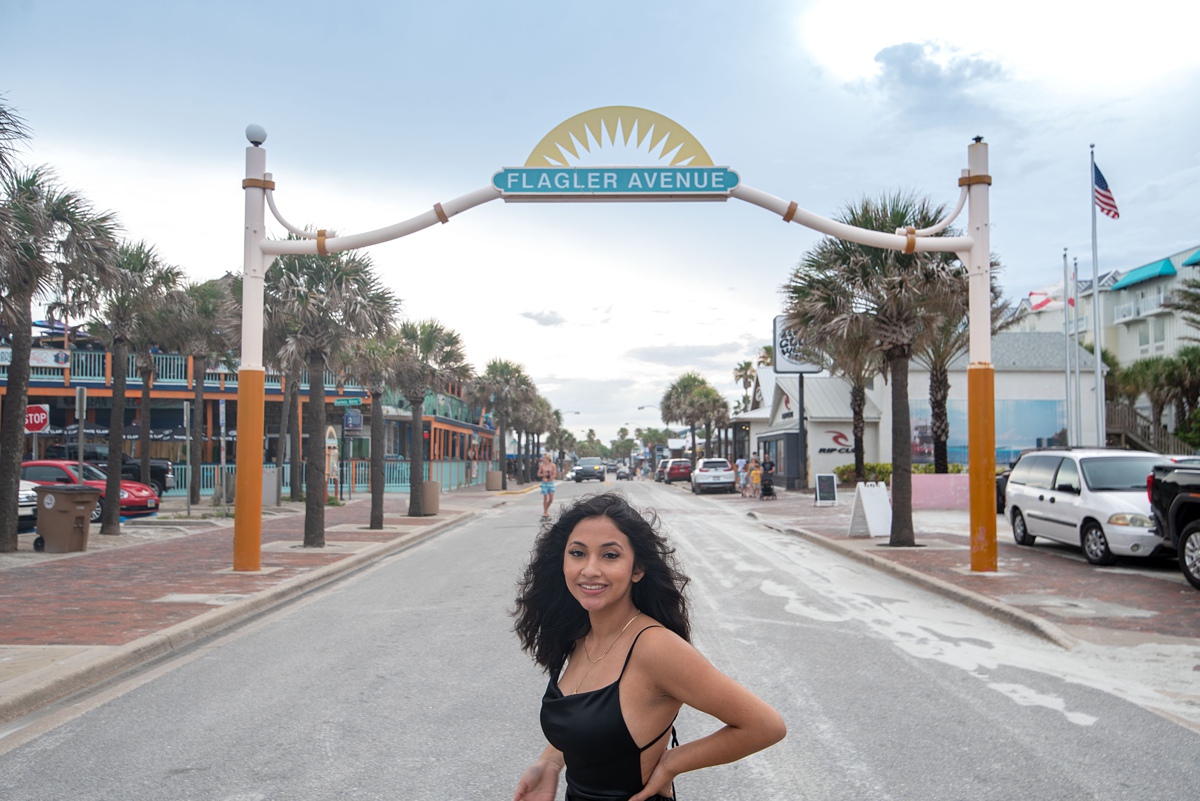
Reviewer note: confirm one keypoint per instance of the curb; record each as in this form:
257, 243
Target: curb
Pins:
981, 603
82, 671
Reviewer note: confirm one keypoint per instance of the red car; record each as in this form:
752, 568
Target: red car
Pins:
678, 470
136, 499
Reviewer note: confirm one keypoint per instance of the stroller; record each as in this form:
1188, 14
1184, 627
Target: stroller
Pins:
766, 487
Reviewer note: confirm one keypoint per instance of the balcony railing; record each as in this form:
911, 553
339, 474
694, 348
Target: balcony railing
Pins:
1126, 311
90, 367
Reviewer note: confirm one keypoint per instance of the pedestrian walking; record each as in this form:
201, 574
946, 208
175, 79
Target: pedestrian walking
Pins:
547, 472
603, 581
741, 474
755, 478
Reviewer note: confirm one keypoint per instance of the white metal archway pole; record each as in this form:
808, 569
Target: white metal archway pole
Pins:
974, 248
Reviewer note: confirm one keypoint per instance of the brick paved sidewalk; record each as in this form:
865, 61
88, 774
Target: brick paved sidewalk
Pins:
1052, 586
72, 619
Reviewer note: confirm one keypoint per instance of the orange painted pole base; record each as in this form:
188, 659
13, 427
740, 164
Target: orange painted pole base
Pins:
981, 445
247, 515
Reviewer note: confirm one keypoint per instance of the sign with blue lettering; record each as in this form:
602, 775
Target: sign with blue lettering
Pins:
615, 183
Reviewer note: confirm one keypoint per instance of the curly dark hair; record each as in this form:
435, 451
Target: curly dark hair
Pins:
550, 620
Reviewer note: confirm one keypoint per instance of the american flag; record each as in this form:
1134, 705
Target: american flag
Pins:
1104, 198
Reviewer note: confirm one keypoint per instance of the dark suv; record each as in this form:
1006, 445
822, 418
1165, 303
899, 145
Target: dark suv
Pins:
589, 467
162, 472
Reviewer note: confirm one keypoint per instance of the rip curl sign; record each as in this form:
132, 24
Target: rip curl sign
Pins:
552, 172
841, 443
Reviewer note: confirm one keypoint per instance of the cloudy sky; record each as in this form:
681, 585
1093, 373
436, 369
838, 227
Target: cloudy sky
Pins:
376, 110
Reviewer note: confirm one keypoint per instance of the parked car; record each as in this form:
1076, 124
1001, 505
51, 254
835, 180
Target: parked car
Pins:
26, 506
624, 473
1091, 497
162, 472
715, 475
1174, 490
136, 499
678, 470
660, 472
589, 467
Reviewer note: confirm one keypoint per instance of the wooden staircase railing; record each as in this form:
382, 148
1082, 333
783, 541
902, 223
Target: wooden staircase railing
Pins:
1130, 428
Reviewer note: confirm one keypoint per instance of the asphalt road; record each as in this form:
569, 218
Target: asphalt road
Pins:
405, 682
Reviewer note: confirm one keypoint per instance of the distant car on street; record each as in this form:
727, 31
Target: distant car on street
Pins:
715, 475
678, 470
624, 474
589, 467
136, 499
26, 506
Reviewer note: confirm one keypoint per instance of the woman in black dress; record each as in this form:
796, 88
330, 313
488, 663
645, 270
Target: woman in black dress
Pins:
602, 580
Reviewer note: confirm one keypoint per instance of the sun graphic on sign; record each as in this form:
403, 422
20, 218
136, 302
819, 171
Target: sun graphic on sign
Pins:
624, 128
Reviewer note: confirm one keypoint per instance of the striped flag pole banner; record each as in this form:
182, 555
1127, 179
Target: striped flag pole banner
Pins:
1102, 198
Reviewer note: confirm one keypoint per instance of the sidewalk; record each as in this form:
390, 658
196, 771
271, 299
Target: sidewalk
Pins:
72, 620
1047, 589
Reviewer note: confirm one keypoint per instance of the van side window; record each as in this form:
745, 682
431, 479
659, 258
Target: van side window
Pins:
1042, 468
1068, 477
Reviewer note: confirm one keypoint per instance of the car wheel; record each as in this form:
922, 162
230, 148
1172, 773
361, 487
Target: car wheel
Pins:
1095, 546
158, 490
97, 512
1189, 554
1020, 532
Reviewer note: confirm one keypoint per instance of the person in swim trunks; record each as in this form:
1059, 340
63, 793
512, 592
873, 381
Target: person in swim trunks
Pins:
547, 472
614, 636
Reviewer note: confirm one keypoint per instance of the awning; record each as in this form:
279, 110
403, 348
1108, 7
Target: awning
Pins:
1193, 260
1144, 273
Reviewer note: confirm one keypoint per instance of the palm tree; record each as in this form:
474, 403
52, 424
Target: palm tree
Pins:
713, 410
947, 339
744, 374
766, 356
429, 357
140, 286
50, 239
330, 301
155, 326
200, 320
897, 293
371, 363
682, 403
12, 131
501, 388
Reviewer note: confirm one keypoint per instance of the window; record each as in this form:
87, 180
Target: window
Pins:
1160, 329
1143, 332
1067, 479
1035, 471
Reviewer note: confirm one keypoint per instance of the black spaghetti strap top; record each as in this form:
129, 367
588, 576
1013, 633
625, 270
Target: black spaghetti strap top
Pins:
603, 761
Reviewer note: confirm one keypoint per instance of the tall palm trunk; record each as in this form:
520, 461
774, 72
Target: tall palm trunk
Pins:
939, 390
416, 457
285, 411
296, 479
693, 427
858, 403
199, 370
902, 528
146, 371
316, 484
503, 453
110, 514
377, 463
12, 418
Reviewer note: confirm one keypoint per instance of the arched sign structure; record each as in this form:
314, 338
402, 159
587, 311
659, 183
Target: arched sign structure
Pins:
551, 174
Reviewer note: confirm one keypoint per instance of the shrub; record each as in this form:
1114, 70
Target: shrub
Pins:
927, 469
881, 471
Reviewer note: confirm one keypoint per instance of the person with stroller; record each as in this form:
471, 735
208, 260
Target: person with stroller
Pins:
767, 488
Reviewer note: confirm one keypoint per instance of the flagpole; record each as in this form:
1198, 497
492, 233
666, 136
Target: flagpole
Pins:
1100, 428
1075, 326
1067, 338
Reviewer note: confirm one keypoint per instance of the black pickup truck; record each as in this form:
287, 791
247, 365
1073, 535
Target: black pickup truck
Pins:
1174, 491
162, 472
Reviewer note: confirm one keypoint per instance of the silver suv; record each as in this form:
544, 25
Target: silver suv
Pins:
1091, 497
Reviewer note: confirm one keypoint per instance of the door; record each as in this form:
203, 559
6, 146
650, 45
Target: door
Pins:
1036, 503
1062, 504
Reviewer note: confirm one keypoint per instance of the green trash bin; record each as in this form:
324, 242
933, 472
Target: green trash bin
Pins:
64, 516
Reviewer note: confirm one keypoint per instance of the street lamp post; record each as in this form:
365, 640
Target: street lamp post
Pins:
247, 521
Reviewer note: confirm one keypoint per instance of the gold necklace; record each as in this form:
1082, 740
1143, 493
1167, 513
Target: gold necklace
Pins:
597, 659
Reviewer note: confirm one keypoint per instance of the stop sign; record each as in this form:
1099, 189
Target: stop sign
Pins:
37, 418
